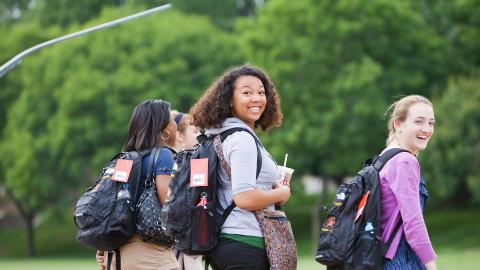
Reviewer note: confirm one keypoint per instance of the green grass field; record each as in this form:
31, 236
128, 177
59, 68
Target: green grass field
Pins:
457, 260
454, 236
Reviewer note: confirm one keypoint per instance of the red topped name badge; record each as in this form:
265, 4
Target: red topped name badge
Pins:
199, 172
122, 170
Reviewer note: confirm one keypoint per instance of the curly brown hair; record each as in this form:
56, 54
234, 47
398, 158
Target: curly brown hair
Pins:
214, 106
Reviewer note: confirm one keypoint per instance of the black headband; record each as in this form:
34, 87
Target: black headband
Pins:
178, 118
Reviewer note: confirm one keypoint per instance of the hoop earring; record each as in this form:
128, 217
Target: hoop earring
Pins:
161, 136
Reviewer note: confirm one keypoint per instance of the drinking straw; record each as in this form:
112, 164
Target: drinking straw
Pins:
284, 182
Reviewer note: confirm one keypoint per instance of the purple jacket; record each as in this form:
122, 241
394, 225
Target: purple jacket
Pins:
399, 187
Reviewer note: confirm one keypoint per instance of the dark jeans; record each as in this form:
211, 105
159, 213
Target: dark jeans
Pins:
231, 254
405, 258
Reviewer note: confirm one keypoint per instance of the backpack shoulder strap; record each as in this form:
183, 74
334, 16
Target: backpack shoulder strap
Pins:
118, 261
226, 167
140, 155
151, 164
393, 234
380, 161
229, 132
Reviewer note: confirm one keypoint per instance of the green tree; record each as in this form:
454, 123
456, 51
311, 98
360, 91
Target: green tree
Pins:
222, 13
338, 64
68, 12
11, 10
76, 99
452, 158
20, 37
458, 22
65, 12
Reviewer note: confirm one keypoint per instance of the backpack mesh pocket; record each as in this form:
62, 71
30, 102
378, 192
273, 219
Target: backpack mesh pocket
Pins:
205, 227
368, 251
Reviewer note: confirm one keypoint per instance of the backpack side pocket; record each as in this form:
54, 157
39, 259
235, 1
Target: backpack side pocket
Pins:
368, 253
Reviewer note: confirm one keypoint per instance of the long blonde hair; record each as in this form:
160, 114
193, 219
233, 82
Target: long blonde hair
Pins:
400, 110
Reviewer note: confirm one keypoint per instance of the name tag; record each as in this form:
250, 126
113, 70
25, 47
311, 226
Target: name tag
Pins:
122, 170
199, 172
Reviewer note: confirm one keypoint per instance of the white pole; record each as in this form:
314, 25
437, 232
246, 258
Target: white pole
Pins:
17, 59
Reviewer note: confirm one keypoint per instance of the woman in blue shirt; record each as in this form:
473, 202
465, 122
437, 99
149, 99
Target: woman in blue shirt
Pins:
151, 125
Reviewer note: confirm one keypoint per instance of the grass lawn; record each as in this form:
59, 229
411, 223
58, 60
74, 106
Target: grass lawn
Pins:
49, 264
453, 233
448, 259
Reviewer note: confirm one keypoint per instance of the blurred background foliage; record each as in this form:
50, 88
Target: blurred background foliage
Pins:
337, 64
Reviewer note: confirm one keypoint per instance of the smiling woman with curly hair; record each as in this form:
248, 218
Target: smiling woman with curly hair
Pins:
215, 105
243, 97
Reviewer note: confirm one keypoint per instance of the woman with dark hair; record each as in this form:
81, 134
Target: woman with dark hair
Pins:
151, 125
242, 97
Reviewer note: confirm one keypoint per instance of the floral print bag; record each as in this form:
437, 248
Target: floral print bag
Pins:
279, 241
277, 232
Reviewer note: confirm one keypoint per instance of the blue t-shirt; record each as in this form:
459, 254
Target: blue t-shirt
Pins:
164, 166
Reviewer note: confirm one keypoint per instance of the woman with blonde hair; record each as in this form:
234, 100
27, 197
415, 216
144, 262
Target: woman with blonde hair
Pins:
403, 191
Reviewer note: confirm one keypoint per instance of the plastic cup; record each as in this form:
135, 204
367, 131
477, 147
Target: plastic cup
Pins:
285, 175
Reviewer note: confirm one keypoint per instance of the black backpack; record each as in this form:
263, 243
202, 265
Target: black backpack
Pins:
105, 214
195, 226
350, 235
